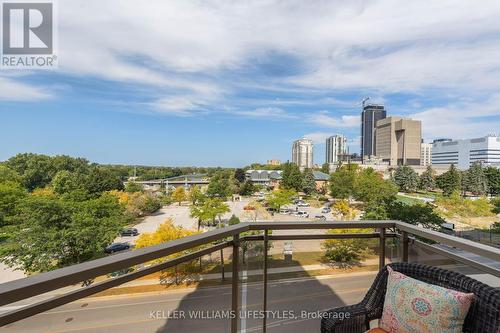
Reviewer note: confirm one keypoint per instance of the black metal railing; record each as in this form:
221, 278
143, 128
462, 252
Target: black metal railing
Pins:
229, 237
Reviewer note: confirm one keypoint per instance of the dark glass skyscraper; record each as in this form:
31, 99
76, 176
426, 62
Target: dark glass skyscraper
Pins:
369, 117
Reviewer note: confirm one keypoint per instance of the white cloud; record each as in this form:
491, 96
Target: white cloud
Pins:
13, 90
463, 119
184, 48
266, 112
324, 119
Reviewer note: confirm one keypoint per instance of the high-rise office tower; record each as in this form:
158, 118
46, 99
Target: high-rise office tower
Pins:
336, 148
369, 117
302, 153
426, 154
398, 140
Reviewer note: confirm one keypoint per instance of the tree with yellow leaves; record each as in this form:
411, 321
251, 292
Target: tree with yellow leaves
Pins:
179, 195
343, 209
166, 232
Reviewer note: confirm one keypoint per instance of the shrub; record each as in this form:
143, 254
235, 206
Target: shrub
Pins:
345, 251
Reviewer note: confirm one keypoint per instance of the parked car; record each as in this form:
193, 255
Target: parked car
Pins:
130, 232
326, 210
285, 211
116, 247
302, 204
301, 214
320, 217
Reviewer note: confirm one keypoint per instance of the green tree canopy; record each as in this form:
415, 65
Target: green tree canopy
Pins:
427, 179
405, 178
247, 188
219, 186
54, 233
493, 176
450, 181
280, 198
308, 182
371, 188
291, 177
239, 175
342, 181
474, 180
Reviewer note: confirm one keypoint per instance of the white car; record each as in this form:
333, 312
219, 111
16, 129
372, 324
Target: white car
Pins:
302, 214
302, 204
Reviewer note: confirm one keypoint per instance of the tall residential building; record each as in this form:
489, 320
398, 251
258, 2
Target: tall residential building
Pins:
369, 117
398, 140
336, 148
462, 153
426, 154
302, 153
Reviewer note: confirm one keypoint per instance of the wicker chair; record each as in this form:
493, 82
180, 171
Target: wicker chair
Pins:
483, 315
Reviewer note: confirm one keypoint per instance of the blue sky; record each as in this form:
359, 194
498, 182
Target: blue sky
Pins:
230, 83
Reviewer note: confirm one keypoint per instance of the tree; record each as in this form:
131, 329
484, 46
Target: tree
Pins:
475, 180
53, 233
406, 178
346, 251
342, 208
195, 195
65, 182
11, 194
427, 179
99, 180
417, 214
239, 175
166, 232
247, 188
208, 210
279, 198
179, 195
371, 188
219, 186
493, 177
132, 187
255, 210
291, 177
308, 182
9, 175
342, 181
325, 168
450, 181
35, 170
496, 205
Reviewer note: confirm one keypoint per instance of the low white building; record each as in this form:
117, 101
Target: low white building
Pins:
462, 153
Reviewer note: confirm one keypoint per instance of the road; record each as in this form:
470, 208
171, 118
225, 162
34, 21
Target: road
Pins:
287, 299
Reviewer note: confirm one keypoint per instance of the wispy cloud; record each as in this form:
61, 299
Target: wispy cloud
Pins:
13, 90
325, 119
266, 112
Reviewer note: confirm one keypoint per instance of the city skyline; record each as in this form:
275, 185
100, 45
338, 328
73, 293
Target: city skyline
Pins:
189, 89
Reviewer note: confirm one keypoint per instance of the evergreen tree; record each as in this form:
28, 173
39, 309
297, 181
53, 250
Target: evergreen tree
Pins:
308, 182
406, 178
325, 168
291, 177
239, 175
450, 181
474, 180
427, 179
493, 176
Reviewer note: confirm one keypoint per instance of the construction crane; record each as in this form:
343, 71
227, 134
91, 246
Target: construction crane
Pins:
363, 101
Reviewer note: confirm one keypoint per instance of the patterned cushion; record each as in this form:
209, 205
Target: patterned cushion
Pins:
414, 306
376, 330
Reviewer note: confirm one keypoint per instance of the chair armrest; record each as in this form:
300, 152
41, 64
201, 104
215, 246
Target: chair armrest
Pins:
345, 319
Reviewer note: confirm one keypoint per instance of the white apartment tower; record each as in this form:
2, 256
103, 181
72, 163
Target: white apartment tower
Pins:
426, 154
336, 147
302, 153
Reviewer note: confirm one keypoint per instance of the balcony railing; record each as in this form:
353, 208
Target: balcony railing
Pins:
229, 237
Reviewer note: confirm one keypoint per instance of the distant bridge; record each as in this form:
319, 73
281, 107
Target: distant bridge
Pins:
185, 180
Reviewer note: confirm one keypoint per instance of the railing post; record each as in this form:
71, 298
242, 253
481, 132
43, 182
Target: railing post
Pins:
382, 248
222, 264
404, 242
234, 289
264, 303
